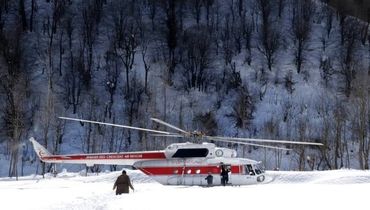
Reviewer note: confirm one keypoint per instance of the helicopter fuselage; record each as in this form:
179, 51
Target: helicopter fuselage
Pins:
178, 164
193, 171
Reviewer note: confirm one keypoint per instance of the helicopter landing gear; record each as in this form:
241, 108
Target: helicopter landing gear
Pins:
261, 178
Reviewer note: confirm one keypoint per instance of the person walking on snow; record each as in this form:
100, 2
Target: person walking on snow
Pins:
122, 184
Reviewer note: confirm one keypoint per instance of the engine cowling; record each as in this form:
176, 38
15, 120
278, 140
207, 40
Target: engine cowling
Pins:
191, 150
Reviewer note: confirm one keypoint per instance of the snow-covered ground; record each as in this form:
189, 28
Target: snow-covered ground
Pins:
341, 189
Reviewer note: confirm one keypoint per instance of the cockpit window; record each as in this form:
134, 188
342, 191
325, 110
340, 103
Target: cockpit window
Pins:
249, 170
258, 171
258, 168
189, 153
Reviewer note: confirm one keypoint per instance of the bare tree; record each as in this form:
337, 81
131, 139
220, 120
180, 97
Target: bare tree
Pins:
348, 53
233, 79
281, 7
301, 29
237, 35
5, 4
61, 52
196, 8
47, 117
325, 155
289, 82
13, 88
93, 132
208, 5
269, 46
22, 14
269, 36
145, 41
247, 32
302, 130
361, 117
89, 30
171, 33
59, 134
75, 64
241, 7
242, 110
214, 24
329, 14
342, 15
32, 14
339, 123
113, 142
50, 25
227, 42
327, 70
112, 75
73, 81
133, 103
2, 20
271, 130
196, 60
152, 4
14, 117
126, 36
325, 38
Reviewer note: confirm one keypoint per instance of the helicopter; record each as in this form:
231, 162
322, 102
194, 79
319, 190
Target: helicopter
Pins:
179, 163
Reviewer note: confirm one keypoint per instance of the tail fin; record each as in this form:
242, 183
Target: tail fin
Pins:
40, 150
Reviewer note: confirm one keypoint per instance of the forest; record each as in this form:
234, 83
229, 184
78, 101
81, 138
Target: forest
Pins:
283, 69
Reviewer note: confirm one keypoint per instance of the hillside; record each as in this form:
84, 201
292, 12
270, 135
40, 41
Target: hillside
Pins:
295, 70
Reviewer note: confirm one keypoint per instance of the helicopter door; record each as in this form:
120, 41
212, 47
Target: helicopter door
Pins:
249, 170
229, 173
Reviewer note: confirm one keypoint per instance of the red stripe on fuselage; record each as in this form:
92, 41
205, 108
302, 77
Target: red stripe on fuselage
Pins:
153, 171
108, 156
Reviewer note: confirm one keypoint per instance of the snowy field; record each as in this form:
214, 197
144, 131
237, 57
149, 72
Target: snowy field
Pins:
342, 189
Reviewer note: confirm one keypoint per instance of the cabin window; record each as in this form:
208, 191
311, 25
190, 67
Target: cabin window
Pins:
189, 153
189, 171
175, 171
197, 171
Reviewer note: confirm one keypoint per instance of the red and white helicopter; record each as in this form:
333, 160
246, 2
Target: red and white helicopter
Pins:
180, 163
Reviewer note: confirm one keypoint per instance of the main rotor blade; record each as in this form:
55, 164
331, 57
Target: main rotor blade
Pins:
266, 141
167, 135
169, 125
116, 125
251, 144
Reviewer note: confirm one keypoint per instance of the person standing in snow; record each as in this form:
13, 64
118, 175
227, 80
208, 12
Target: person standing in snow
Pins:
209, 179
224, 175
122, 184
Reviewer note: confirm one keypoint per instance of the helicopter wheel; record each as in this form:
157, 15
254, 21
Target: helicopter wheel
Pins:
261, 178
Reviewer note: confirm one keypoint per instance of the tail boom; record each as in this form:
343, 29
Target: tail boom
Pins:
127, 158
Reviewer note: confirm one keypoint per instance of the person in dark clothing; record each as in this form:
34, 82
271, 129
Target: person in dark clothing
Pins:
122, 184
209, 179
224, 175
227, 175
